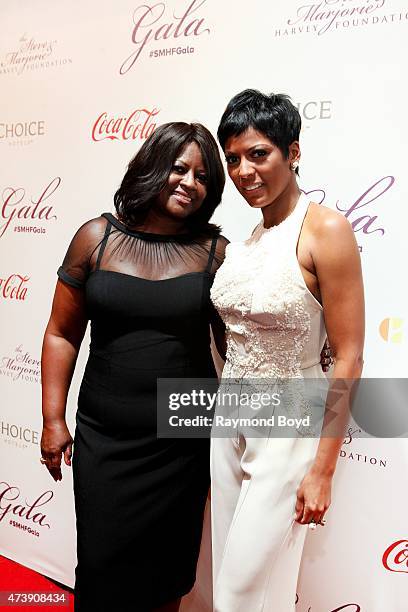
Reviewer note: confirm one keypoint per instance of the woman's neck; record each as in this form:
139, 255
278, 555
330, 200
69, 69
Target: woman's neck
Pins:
156, 223
277, 211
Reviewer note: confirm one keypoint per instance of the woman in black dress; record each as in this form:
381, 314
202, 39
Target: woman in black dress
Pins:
143, 278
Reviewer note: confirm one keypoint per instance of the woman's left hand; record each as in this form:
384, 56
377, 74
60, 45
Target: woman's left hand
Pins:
313, 498
326, 357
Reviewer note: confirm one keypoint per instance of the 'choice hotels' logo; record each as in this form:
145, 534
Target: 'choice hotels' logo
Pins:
152, 24
138, 124
391, 330
21, 133
313, 110
395, 558
18, 435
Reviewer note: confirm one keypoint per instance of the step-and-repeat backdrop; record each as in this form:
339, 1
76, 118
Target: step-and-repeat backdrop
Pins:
83, 85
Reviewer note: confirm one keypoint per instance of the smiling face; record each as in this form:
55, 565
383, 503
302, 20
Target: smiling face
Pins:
258, 168
186, 187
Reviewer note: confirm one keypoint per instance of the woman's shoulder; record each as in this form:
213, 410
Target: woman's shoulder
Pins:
221, 247
222, 241
322, 219
212, 236
92, 229
212, 233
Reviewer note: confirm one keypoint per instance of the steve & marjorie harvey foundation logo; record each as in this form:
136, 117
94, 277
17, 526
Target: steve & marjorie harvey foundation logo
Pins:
328, 16
351, 452
31, 53
20, 365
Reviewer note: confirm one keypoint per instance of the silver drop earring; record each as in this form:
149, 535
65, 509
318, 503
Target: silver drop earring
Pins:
294, 165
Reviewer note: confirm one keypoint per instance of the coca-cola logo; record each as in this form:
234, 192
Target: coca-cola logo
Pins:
21, 365
155, 24
13, 505
334, 16
17, 212
395, 558
362, 221
14, 287
32, 54
138, 124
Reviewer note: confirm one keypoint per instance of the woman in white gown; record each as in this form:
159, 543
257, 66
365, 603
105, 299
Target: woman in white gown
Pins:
296, 279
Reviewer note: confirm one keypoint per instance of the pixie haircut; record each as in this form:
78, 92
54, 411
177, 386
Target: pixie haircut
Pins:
273, 115
148, 172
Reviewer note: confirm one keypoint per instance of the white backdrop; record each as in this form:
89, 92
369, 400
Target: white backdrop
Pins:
83, 83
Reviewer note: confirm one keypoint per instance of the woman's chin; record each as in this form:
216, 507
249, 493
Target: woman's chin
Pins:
179, 211
255, 201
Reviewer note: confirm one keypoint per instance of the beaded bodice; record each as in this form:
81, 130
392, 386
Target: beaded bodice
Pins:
275, 326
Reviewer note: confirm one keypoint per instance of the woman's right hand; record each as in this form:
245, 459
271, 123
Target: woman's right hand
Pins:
55, 442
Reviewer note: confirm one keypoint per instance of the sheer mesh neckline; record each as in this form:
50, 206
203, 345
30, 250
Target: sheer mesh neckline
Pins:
106, 243
153, 237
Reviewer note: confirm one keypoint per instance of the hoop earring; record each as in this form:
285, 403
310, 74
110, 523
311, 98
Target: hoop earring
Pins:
294, 165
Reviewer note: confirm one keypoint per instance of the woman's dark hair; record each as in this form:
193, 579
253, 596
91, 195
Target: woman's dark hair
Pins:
274, 115
149, 170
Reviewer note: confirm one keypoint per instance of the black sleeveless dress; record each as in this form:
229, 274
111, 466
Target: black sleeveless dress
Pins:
139, 500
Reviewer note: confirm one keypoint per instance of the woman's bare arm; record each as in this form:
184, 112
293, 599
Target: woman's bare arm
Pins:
62, 340
338, 269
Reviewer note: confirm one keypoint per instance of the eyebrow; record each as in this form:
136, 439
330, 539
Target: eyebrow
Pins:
180, 161
258, 145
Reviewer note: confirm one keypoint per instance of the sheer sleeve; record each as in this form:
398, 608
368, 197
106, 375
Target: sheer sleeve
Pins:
219, 254
80, 255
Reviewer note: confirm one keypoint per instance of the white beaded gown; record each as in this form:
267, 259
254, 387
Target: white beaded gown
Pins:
275, 329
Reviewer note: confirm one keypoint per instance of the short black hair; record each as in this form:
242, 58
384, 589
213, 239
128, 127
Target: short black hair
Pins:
271, 114
149, 170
